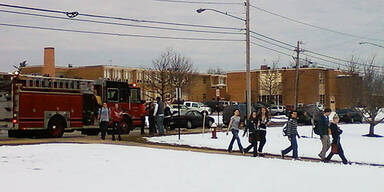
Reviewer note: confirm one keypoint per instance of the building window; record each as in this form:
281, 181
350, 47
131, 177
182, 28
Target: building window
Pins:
221, 80
322, 99
107, 73
321, 77
139, 77
271, 99
117, 74
127, 76
204, 80
204, 96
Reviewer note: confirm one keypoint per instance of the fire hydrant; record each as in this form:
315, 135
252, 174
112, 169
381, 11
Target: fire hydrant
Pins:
214, 133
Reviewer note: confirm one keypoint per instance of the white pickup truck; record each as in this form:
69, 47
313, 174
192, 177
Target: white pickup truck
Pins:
198, 107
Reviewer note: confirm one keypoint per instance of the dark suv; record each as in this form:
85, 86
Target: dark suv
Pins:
349, 115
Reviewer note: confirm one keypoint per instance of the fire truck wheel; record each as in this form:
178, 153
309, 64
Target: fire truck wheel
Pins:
56, 127
126, 125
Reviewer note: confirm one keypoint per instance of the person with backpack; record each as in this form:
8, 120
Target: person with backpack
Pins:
103, 117
323, 126
292, 133
336, 146
234, 125
252, 126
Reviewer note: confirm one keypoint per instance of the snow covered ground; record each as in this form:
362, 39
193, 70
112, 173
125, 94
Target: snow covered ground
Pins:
99, 168
356, 147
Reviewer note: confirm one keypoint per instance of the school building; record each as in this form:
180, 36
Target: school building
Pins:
204, 87
329, 87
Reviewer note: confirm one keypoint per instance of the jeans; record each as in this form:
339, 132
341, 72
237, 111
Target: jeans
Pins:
116, 127
152, 126
103, 128
325, 145
160, 124
254, 144
236, 137
292, 147
340, 152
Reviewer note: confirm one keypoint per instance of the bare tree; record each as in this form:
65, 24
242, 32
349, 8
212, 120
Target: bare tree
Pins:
21, 65
352, 66
157, 78
373, 95
169, 70
217, 70
270, 82
181, 73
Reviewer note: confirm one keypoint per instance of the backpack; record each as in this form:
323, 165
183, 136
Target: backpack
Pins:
316, 129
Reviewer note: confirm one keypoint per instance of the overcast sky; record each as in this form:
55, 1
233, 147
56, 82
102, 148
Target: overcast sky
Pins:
362, 18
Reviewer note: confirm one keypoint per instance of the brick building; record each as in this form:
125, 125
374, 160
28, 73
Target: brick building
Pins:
330, 87
203, 86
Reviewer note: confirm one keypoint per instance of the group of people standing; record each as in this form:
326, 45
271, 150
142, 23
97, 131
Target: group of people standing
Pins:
257, 125
156, 112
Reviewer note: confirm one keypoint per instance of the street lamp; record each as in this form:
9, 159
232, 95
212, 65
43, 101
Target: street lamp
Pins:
374, 44
248, 48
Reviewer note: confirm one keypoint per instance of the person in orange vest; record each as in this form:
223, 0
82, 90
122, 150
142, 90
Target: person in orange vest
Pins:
116, 115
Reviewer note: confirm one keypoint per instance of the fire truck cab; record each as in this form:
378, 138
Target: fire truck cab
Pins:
127, 96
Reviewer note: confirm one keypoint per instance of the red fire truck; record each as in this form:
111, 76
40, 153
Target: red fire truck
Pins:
51, 106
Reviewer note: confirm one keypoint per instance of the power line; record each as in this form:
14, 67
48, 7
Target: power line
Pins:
201, 2
74, 14
314, 26
270, 38
312, 52
121, 24
277, 45
117, 34
286, 54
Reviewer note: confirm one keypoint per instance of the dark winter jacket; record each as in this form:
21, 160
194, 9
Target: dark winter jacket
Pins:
323, 125
292, 128
336, 132
251, 126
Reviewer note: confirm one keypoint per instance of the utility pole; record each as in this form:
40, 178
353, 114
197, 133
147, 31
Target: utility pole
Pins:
248, 60
297, 74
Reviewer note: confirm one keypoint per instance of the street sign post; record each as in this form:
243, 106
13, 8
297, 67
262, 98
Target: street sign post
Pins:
178, 96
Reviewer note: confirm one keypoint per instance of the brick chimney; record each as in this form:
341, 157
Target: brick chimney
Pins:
49, 62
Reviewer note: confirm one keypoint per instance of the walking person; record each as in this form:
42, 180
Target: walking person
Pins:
336, 132
103, 117
116, 115
251, 127
324, 133
159, 114
292, 133
234, 125
261, 131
